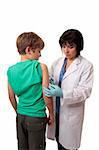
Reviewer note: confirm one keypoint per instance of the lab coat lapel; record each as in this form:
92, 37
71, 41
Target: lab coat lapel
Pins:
72, 68
59, 66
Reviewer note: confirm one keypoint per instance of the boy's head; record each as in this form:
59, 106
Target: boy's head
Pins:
72, 37
29, 41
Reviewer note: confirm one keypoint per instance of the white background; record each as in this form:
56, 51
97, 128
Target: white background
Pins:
49, 19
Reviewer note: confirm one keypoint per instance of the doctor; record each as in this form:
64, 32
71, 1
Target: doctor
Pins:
73, 78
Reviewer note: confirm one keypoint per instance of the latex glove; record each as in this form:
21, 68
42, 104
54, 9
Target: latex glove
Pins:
53, 90
51, 80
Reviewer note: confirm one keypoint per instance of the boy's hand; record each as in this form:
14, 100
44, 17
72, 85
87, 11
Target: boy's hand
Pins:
51, 120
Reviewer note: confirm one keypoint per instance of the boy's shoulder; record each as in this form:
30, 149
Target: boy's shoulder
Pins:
43, 66
23, 63
10, 68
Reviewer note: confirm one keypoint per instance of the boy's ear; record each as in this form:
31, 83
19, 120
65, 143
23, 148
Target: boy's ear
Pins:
28, 50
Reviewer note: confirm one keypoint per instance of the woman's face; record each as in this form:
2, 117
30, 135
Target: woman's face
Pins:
70, 51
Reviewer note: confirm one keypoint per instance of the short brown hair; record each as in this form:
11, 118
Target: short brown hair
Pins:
72, 36
30, 39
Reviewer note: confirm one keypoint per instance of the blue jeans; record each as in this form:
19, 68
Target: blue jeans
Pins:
31, 132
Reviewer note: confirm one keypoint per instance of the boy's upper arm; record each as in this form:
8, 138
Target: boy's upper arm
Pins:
45, 76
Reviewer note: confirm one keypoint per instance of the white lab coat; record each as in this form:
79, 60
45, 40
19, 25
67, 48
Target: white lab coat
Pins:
76, 86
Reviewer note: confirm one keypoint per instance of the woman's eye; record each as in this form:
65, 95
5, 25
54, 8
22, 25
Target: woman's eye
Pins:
64, 46
71, 47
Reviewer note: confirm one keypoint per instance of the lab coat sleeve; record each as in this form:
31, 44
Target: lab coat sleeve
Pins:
83, 89
51, 69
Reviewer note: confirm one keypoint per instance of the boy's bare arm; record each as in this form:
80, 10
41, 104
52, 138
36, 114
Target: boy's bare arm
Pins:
48, 100
12, 97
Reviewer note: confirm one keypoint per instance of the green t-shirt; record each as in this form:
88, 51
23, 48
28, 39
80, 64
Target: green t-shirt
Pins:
25, 78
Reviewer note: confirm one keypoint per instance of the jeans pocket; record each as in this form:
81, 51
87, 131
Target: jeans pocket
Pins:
35, 123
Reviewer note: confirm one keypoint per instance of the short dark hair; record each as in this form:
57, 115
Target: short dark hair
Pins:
72, 36
30, 39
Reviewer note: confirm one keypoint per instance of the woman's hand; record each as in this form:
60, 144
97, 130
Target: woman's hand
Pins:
53, 90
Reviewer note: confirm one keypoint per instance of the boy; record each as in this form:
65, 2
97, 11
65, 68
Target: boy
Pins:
25, 80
